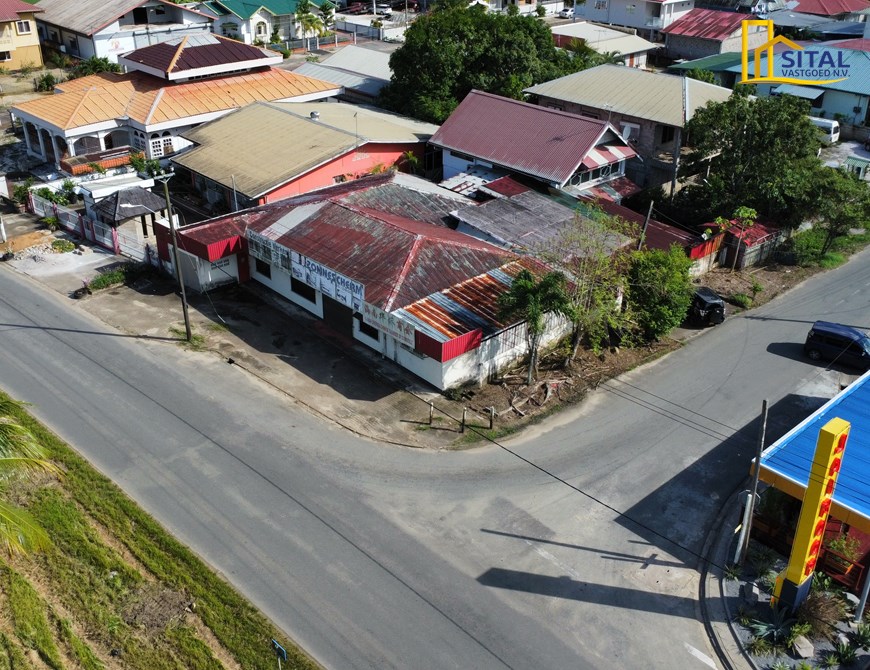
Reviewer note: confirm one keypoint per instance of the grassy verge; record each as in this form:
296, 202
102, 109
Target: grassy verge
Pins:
104, 596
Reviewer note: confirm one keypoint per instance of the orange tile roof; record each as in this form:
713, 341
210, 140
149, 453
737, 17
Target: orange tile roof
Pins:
149, 100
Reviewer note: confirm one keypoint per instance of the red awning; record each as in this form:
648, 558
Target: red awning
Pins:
607, 154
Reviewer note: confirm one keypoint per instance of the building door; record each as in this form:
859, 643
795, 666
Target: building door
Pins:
337, 316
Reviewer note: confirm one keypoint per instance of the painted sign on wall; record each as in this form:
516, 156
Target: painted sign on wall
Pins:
401, 330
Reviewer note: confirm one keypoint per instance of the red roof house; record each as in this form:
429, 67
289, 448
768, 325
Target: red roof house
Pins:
707, 32
503, 136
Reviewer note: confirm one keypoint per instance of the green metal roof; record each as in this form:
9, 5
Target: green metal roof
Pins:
716, 63
245, 9
856, 162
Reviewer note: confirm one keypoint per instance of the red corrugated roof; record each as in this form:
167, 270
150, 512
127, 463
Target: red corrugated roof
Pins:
533, 140
830, 7
859, 44
10, 9
191, 52
707, 24
658, 235
749, 236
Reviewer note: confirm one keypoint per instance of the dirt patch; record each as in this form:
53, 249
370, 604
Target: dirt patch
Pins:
517, 405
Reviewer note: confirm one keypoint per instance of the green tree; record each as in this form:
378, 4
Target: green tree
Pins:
761, 153
20, 455
531, 300
453, 50
595, 254
309, 23
93, 65
701, 75
660, 290
843, 204
327, 15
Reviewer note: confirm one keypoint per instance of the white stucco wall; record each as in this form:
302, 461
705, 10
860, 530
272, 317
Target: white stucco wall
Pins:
222, 271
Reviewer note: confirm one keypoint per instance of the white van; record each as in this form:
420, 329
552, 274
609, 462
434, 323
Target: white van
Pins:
829, 129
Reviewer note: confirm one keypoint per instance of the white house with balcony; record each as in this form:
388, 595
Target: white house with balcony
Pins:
648, 17
109, 28
260, 21
558, 150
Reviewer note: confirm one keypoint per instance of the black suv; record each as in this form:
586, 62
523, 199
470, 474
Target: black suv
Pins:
707, 308
842, 344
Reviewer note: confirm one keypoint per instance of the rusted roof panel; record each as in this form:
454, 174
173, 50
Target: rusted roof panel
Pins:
707, 24
537, 141
830, 7
397, 259
468, 305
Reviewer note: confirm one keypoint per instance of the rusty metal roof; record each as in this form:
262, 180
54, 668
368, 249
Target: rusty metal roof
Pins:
830, 7
399, 260
537, 141
194, 52
707, 24
468, 305
150, 101
10, 9
90, 16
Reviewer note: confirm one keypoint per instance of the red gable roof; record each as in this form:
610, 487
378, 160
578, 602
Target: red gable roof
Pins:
830, 7
191, 52
858, 44
707, 24
533, 140
10, 9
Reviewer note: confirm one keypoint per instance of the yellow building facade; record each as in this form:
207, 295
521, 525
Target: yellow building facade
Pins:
19, 39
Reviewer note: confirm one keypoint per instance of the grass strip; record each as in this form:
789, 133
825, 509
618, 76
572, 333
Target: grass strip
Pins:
29, 617
11, 656
242, 630
86, 658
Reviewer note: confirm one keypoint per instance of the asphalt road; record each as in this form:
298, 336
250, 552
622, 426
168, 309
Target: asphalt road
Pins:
575, 546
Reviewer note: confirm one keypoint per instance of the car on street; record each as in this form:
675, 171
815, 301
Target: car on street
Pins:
567, 13
707, 307
841, 344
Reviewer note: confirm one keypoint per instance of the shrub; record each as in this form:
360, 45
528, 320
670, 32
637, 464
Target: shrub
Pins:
759, 646
776, 629
21, 192
861, 636
63, 246
846, 653
797, 630
51, 222
831, 260
96, 167
807, 246
57, 197
26, 69
286, 53
660, 290
756, 288
822, 610
741, 300
541, 11
46, 82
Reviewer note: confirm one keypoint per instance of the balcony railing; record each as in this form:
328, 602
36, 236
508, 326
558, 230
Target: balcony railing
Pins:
108, 159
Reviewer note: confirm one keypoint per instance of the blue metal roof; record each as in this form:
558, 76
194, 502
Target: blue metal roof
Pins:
786, 463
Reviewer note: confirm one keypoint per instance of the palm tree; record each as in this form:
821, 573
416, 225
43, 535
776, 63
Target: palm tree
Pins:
308, 22
20, 454
530, 300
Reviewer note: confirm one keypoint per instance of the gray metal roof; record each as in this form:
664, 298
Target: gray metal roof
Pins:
361, 61
87, 16
350, 81
128, 203
664, 98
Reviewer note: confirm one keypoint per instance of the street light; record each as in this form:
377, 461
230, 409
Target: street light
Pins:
164, 178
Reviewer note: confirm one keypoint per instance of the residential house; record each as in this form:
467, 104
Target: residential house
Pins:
109, 28
19, 40
133, 210
752, 245
528, 7
649, 109
172, 87
270, 151
633, 48
263, 21
847, 100
707, 32
360, 72
833, 10
560, 150
422, 295
647, 16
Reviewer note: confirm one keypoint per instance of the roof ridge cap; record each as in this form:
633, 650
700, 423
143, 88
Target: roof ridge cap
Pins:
403, 273
179, 49
154, 105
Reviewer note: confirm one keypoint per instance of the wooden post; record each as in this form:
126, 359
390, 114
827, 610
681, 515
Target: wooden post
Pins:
462, 426
431, 412
491, 417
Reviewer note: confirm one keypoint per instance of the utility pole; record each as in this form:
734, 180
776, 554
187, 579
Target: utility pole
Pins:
645, 224
165, 179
